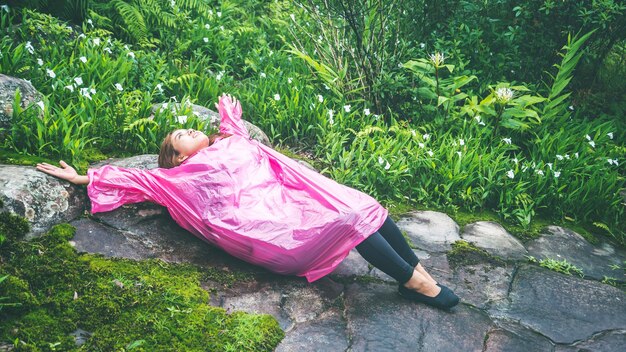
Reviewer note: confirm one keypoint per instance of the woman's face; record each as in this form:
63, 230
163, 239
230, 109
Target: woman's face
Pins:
187, 142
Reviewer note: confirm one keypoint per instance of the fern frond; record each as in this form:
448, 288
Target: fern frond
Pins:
134, 22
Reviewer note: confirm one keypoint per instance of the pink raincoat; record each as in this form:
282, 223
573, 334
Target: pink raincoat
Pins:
251, 201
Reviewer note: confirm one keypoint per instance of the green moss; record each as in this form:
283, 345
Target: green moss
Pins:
464, 253
147, 305
12, 226
10, 157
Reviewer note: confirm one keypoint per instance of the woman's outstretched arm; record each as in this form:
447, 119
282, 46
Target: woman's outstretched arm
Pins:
64, 172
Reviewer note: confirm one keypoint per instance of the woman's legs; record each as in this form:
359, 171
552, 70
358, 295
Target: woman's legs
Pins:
393, 235
378, 252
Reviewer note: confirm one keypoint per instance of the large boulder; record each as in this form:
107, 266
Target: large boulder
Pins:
204, 114
42, 199
8, 86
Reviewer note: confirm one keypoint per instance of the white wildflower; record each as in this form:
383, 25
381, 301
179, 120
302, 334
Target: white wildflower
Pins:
510, 174
381, 160
588, 137
205, 39
413, 133
262, 75
81, 36
437, 59
289, 80
219, 13
422, 45
461, 142
220, 75
93, 91
221, 28
173, 3
29, 48
347, 108
96, 41
592, 144
571, 107
40, 104
387, 166
83, 59
430, 152
40, 62
559, 157
421, 145
79, 81
481, 123
612, 162
320, 98
539, 172
576, 155
277, 97
331, 113
70, 88
426, 136
131, 54
515, 161
108, 50
610, 134
326, 87
366, 112
557, 174
85, 92
207, 26
459, 153
89, 21
293, 17
504, 95
566, 156
5, 8
50, 73
507, 140
181, 119
159, 87
118, 87
549, 165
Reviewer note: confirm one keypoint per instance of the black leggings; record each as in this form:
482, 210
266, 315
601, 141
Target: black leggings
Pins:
387, 250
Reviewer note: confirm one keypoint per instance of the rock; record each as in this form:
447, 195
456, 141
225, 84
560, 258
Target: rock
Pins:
607, 341
379, 320
352, 265
326, 333
429, 230
563, 308
515, 338
204, 114
493, 238
145, 161
8, 86
595, 261
42, 199
482, 284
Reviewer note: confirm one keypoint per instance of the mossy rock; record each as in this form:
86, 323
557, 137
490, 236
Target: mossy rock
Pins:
465, 253
144, 305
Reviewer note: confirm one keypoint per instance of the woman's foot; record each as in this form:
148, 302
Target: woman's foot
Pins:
422, 289
420, 269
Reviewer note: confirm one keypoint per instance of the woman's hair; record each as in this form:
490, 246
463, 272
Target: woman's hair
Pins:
168, 156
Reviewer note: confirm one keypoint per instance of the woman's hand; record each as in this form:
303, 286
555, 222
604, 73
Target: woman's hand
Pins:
64, 172
230, 104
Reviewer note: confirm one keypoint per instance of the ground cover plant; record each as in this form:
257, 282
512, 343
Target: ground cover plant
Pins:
48, 291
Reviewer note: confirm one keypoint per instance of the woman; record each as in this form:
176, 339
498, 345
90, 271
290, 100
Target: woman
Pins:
262, 206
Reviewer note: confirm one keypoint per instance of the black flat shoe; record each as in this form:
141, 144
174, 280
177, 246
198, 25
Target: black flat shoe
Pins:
446, 299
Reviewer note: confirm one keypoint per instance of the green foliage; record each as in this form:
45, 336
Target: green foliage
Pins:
124, 304
560, 266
